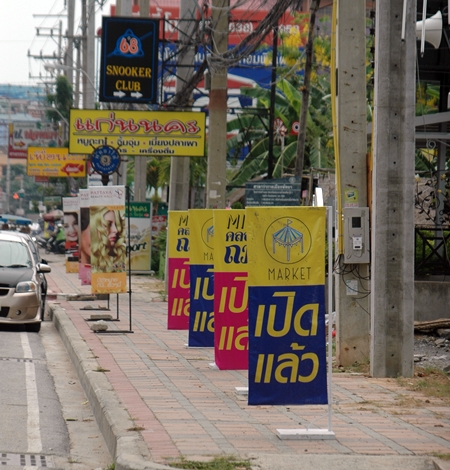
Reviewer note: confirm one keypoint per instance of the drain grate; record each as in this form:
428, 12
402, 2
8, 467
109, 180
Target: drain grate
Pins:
29, 460
15, 359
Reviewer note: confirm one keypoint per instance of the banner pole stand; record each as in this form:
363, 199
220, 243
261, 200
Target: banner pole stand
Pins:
317, 433
129, 275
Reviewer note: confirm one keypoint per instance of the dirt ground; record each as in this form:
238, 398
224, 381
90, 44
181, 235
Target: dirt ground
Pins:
432, 351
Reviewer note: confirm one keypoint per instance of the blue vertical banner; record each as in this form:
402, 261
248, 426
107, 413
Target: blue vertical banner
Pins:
201, 255
287, 340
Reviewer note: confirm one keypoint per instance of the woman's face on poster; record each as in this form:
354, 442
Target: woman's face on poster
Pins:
71, 228
111, 228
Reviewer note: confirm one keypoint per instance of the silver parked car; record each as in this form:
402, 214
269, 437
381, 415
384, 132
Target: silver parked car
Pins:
21, 296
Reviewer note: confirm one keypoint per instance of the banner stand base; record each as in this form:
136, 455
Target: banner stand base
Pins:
305, 434
103, 332
91, 307
241, 390
213, 365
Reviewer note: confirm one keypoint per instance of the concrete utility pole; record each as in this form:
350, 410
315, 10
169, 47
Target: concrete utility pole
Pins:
70, 42
180, 166
352, 301
88, 12
217, 141
392, 297
123, 8
140, 162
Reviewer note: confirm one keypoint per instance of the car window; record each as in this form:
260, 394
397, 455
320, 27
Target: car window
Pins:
14, 254
34, 250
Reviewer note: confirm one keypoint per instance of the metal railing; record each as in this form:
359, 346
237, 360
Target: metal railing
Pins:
432, 250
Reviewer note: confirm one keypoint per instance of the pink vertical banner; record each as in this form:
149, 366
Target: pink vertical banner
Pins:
230, 290
178, 270
84, 260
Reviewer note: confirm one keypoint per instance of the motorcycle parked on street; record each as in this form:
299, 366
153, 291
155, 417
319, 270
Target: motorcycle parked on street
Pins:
55, 244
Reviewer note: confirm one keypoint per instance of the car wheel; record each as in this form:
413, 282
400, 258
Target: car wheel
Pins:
34, 327
42, 308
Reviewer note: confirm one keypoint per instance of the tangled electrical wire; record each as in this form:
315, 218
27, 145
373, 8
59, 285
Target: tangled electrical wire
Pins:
215, 61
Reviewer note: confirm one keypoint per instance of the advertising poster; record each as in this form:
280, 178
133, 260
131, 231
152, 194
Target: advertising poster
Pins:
84, 260
71, 209
159, 223
230, 290
287, 343
55, 162
30, 134
140, 236
178, 270
201, 249
108, 239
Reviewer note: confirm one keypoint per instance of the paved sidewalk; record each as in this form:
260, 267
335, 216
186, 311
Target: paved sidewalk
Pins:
157, 400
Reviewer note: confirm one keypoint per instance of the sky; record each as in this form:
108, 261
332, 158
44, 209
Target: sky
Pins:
18, 36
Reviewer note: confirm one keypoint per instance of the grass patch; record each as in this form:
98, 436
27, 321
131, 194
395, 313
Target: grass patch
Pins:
441, 456
356, 367
429, 381
217, 463
136, 428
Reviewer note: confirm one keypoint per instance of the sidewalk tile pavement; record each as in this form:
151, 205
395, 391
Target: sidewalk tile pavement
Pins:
185, 407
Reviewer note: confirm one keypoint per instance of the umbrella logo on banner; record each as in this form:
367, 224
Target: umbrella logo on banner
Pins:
208, 233
287, 240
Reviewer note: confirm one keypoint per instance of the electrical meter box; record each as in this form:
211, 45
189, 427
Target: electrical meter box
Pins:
356, 235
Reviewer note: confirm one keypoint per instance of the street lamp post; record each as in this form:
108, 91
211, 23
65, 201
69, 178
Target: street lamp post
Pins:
88, 95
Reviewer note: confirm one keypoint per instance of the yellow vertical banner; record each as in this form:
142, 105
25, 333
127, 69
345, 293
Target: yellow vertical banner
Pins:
230, 290
288, 245
287, 346
201, 250
178, 270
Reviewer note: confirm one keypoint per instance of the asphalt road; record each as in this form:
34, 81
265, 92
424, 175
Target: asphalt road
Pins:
46, 421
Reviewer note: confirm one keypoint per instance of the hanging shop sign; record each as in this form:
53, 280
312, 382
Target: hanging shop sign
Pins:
151, 133
105, 160
129, 62
56, 162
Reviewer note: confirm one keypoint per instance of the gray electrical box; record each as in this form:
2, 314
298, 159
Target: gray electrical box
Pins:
356, 235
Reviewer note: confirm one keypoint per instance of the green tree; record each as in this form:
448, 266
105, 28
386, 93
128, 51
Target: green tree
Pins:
251, 132
61, 101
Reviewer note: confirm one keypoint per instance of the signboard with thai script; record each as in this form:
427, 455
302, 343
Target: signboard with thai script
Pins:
287, 343
30, 134
230, 290
178, 291
56, 162
140, 236
152, 133
129, 63
277, 192
201, 255
108, 239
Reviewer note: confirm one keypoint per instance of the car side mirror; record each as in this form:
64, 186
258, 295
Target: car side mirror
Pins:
43, 268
